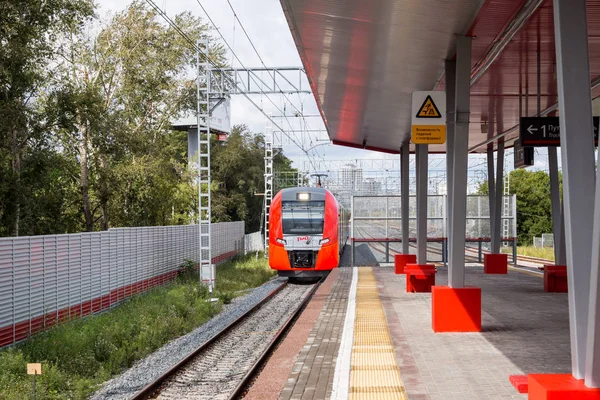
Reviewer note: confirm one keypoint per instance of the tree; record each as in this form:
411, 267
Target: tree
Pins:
534, 209
122, 90
238, 177
29, 31
86, 142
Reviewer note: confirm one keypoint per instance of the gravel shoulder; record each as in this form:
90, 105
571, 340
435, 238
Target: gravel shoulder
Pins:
148, 369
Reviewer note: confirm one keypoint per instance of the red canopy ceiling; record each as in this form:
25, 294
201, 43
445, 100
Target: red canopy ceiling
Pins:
362, 77
514, 74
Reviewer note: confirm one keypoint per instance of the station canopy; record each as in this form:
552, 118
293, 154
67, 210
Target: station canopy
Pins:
365, 58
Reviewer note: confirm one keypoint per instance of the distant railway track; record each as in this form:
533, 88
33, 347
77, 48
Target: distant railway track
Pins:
222, 367
470, 253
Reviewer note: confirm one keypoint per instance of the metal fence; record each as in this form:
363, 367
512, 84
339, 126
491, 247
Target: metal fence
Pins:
253, 242
377, 225
48, 279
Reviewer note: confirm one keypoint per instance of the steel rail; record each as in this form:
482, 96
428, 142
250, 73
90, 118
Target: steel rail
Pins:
148, 390
238, 391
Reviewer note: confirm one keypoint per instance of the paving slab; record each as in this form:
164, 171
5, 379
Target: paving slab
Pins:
524, 330
311, 377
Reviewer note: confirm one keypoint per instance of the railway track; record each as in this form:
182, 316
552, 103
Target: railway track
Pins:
471, 255
222, 367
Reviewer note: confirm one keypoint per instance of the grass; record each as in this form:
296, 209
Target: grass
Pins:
539, 252
78, 356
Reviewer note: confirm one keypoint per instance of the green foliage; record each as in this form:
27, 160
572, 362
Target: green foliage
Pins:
534, 209
244, 273
238, 174
78, 356
86, 142
188, 270
546, 253
29, 31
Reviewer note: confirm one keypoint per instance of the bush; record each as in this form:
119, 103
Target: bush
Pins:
188, 270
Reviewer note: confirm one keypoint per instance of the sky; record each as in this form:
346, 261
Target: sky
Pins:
266, 26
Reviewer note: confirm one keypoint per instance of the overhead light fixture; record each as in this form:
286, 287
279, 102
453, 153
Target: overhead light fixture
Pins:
484, 127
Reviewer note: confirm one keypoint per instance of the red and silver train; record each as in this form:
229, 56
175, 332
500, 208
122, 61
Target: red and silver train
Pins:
307, 232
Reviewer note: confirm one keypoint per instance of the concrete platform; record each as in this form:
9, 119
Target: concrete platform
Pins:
524, 330
313, 372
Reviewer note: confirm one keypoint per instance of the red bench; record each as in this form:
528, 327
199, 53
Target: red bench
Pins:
495, 263
555, 278
419, 277
520, 382
400, 261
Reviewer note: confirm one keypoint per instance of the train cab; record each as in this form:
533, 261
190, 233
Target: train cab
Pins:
307, 231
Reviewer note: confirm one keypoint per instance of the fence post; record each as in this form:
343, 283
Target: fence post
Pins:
515, 252
387, 252
445, 252
480, 251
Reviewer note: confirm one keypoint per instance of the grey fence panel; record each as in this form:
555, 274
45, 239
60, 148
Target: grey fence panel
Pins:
253, 242
164, 266
36, 280
86, 271
21, 279
114, 259
75, 274
105, 271
45, 279
50, 277
62, 266
96, 270
129, 258
6, 288
121, 275
141, 259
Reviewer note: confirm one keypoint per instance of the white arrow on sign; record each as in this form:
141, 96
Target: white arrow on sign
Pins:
531, 128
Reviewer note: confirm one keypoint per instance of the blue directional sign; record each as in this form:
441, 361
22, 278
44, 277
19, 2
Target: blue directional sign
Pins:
545, 131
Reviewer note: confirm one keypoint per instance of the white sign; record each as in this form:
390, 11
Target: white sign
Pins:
220, 119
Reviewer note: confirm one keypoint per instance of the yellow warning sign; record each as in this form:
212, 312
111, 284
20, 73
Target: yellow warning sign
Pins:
428, 109
429, 134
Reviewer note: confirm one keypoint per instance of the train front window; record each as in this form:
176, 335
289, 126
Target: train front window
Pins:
303, 217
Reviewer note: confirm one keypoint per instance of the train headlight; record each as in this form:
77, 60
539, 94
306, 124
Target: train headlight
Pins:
280, 241
324, 241
303, 196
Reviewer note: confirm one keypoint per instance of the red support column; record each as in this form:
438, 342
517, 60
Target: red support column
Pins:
555, 278
456, 309
495, 263
559, 387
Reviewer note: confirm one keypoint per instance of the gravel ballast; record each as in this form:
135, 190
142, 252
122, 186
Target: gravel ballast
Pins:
148, 369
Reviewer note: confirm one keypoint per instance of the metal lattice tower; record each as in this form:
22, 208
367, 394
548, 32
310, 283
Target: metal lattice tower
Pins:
506, 206
300, 179
268, 180
203, 170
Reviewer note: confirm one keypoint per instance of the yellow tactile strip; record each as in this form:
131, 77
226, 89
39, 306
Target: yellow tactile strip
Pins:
374, 373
